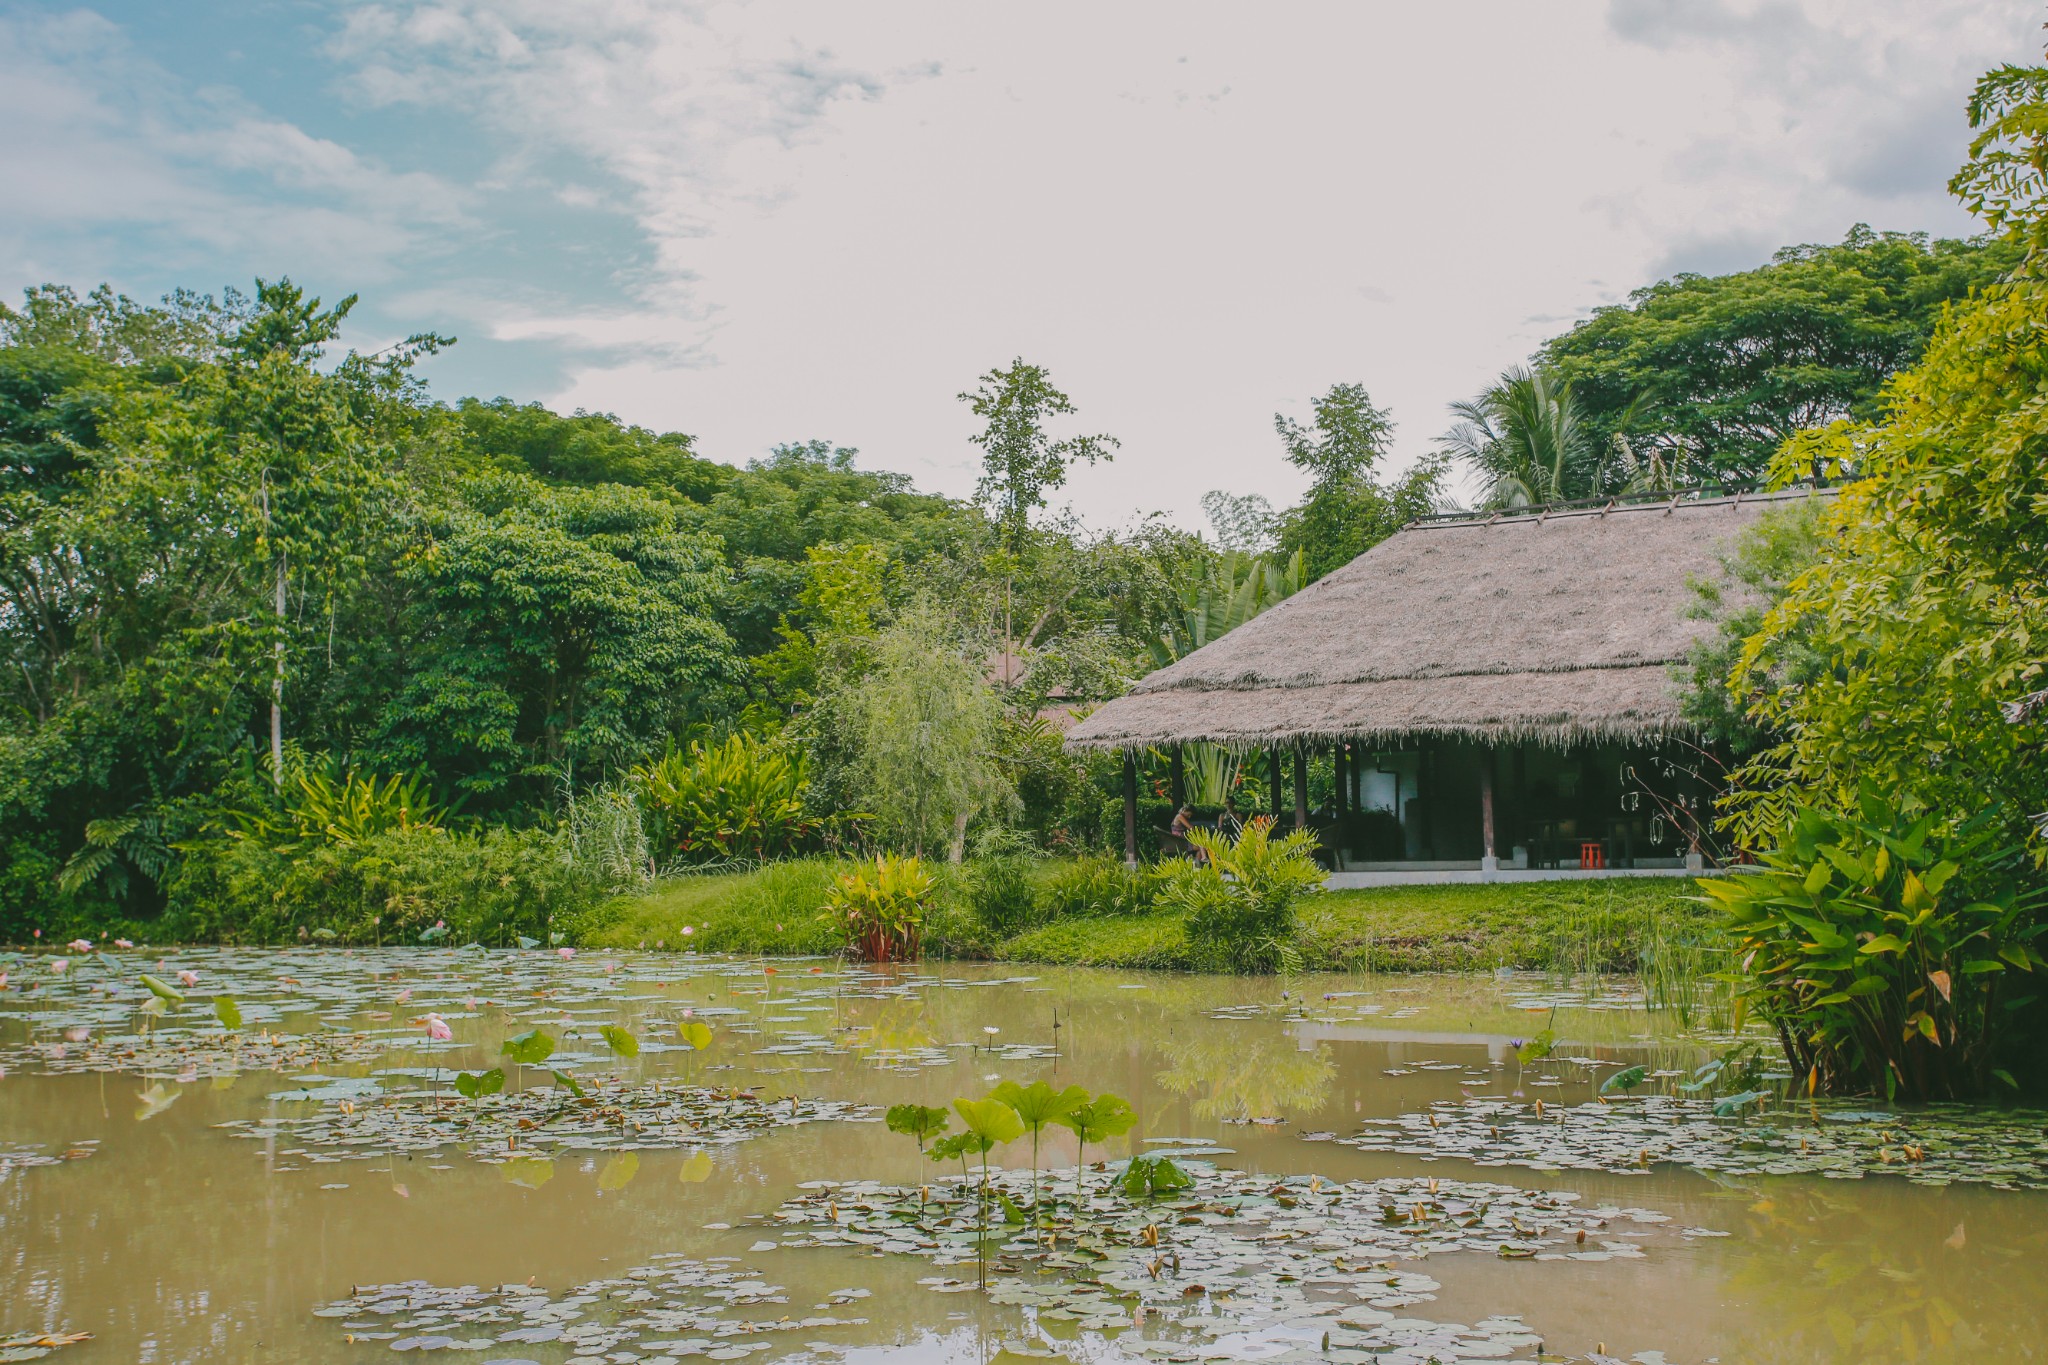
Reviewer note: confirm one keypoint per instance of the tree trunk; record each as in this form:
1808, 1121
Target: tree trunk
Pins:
277, 686
958, 852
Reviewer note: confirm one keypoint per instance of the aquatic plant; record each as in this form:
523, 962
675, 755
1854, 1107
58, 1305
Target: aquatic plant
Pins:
1100, 1119
920, 1123
1037, 1105
1148, 1177
474, 1085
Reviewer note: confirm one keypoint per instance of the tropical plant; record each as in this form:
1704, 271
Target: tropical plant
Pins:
1231, 590
474, 1085
114, 846
332, 804
1889, 956
738, 798
1038, 1105
1002, 892
1096, 885
880, 906
1524, 439
1239, 899
1097, 1120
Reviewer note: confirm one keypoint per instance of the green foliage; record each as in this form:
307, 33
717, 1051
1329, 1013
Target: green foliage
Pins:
474, 1085
1003, 892
1348, 510
926, 727
2005, 180
1527, 441
1148, 1177
619, 1040
880, 908
577, 628
162, 990
1891, 957
228, 1012
989, 1122
1020, 460
1239, 901
1892, 658
530, 1048
1098, 1120
334, 805
488, 887
1758, 571
1097, 885
1706, 376
918, 1122
738, 798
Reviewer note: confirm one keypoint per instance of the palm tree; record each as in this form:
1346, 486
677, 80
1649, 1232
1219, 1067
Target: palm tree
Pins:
1525, 438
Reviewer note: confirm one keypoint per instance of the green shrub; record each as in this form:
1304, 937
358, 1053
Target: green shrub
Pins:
880, 907
737, 799
330, 803
1890, 958
1239, 903
1003, 893
488, 887
1098, 886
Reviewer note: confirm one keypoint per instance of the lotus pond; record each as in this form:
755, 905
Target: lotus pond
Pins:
531, 1157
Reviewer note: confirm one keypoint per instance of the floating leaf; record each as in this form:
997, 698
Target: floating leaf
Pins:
163, 990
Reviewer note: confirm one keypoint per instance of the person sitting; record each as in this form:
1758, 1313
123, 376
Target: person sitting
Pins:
1229, 824
1183, 825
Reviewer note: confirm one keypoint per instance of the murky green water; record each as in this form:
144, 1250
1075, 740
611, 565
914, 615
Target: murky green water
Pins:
199, 1196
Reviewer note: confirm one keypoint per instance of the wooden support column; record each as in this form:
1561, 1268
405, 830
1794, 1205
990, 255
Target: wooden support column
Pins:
1489, 860
1177, 778
1340, 761
1130, 808
1300, 785
1279, 776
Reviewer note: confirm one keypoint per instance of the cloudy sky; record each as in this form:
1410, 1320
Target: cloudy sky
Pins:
772, 222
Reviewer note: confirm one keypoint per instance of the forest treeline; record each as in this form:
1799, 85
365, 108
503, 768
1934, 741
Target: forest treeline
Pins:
288, 642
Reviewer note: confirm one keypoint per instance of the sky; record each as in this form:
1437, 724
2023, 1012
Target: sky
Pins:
779, 222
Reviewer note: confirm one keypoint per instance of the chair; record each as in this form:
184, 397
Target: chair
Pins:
1592, 853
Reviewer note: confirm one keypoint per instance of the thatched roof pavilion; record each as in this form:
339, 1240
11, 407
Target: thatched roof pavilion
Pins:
1554, 628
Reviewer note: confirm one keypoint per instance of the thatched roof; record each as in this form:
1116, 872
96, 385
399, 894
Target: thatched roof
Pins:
1558, 627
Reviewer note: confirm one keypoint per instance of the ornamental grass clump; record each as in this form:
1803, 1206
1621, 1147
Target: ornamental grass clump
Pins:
880, 907
1889, 957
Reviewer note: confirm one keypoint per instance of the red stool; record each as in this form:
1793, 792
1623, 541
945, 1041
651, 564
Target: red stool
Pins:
1592, 855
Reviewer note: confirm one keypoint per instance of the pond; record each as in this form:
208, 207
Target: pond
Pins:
1381, 1168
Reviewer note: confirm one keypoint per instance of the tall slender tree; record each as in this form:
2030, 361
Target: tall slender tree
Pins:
1021, 460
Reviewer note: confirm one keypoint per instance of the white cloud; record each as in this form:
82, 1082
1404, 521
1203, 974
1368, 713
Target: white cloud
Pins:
105, 142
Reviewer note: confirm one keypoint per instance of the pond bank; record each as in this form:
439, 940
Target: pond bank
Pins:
1583, 925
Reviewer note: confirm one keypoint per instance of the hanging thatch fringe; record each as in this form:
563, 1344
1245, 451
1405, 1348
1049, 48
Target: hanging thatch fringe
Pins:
1556, 631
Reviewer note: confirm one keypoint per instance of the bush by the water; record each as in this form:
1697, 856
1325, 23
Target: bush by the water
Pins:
491, 886
1891, 958
1099, 886
1239, 899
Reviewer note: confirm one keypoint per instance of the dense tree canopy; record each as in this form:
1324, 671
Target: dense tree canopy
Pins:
1716, 372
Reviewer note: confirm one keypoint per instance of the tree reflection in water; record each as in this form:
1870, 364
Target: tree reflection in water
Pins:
1230, 1075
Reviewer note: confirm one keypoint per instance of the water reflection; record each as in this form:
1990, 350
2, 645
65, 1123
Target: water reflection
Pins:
1234, 1076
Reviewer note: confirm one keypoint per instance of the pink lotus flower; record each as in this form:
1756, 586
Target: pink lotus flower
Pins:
80, 945
437, 1028
188, 977
689, 929
122, 943
3, 981
565, 953
58, 964
77, 1033
404, 995
689, 1014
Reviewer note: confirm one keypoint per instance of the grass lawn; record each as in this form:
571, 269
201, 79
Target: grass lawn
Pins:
1573, 925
